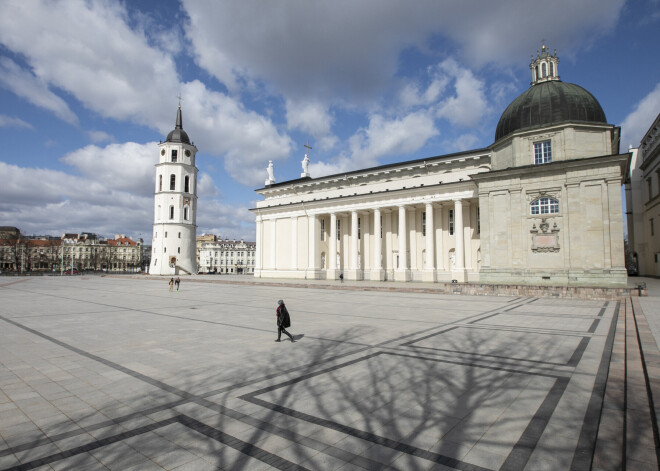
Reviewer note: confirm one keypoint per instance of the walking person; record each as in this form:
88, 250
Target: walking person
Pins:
171, 284
177, 282
283, 320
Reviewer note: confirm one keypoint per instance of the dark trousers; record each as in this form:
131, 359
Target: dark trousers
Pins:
281, 329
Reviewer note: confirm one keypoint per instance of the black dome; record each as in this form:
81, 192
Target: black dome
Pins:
547, 103
178, 134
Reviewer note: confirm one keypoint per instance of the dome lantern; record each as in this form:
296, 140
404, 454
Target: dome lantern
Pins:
544, 67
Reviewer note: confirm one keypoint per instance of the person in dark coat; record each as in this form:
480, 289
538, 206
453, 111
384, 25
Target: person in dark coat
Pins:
283, 320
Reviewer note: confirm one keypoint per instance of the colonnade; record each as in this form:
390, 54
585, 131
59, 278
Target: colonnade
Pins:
279, 248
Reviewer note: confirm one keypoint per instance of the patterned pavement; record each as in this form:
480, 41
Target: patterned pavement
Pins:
119, 373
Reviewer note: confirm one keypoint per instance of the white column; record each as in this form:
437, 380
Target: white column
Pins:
332, 248
412, 239
273, 246
459, 272
294, 243
439, 239
401, 273
429, 268
259, 247
377, 272
352, 272
312, 259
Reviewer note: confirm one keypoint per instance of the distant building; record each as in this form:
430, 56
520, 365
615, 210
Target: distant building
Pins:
225, 256
83, 252
643, 204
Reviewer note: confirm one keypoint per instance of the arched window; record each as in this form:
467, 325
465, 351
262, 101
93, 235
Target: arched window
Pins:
185, 213
172, 182
544, 69
186, 184
160, 183
544, 206
552, 69
171, 213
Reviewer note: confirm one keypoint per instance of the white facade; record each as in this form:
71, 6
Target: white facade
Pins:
226, 257
541, 205
175, 206
643, 203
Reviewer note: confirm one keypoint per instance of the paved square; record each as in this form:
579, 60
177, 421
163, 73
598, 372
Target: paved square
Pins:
120, 373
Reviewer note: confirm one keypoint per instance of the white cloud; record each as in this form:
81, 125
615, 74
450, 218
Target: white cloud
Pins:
32, 89
99, 136
215, 217
13, 122
636, 124
310, 117
469, 103
87, 49
125, 167
383, 137
321, 50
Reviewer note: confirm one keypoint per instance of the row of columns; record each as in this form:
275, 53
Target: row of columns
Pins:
377, 264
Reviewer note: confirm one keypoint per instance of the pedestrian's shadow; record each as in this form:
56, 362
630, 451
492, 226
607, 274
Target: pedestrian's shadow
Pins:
298, 337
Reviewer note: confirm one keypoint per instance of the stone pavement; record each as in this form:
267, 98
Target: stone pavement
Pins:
119, 373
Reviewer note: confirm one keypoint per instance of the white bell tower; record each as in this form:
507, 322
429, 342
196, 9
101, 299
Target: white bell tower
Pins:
175, 205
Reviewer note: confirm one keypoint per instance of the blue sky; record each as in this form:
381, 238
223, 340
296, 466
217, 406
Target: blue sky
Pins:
88, 89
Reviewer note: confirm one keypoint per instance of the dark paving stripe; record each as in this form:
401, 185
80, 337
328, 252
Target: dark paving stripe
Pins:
584, 451
519, 456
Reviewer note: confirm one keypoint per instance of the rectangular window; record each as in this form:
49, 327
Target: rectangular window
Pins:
174, 155
478, 221
172, 182
424, 223
359, 233
338, 229
451, 222
322, 229
542, 152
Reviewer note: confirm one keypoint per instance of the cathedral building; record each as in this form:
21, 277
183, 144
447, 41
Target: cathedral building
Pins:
541, 205
175, 205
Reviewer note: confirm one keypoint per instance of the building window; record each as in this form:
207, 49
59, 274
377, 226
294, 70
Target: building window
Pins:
359, 231
179, 235
178, 250
172, 182
174, 155
160, 183
478, 221
542, 152
381, 227
166, 234
451, 222
186, 184
544, 206
424, 224
322, 230
338, 229
543, 68
185, 215
171, 212
164, 249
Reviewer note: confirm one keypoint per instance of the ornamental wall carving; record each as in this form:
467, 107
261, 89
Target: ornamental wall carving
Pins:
545, 238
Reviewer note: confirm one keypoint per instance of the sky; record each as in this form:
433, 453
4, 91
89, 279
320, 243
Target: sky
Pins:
88, 88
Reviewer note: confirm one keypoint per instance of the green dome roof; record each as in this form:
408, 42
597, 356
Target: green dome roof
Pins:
547, 103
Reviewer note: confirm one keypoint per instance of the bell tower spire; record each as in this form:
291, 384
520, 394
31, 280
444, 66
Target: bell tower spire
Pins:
544, 67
